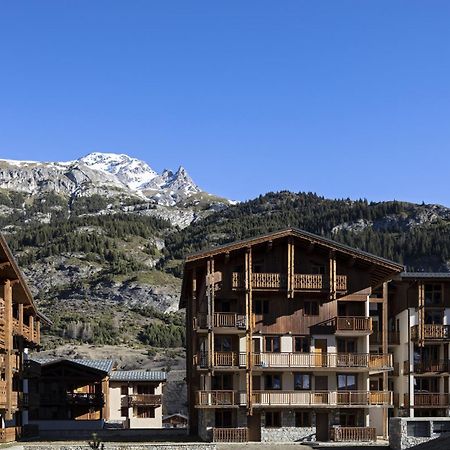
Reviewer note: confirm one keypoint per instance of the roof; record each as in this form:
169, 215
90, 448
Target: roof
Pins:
13, 272
425, 275
102, 365
183, 416
138, 375
296, 232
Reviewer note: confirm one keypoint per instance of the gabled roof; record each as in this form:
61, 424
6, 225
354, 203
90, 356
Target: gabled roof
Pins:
101, 365
138, 375
183, 416
301, 234
13, 272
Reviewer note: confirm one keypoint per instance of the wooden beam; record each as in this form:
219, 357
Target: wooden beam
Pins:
421, 312
290, 268
249, 327
7, 296
332, 276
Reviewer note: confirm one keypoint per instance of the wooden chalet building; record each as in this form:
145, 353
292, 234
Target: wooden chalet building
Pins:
420, 328
19, 331
278, 340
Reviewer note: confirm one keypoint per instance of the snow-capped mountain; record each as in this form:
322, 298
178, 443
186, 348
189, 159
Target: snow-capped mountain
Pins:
107, 174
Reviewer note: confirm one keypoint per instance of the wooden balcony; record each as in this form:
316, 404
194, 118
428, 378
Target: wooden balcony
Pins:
230, 435
223, 399
31, 334
278, 281
353, 434
431, 400
228, 321
322, 360
219, 359
141, 400
84, 398
431, 366
9, 434
431, 332
15, 362
321, 398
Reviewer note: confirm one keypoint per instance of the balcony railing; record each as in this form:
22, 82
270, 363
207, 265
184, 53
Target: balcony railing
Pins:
325, 398
26, 331
431, 399
278, 281
354, 434
230, 435
9, 434
434, 331
84, 398
230, 398
297, 360
217, 398
431, 366
222, 320
141, 400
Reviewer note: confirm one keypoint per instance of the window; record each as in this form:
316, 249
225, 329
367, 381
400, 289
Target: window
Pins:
124, 390
434, 317
433, 295
346, 382
273, 382
145, 412
302, 381
426, 384
311, 308
124, 411
143, 389
418, 429
347, 419
222, 382
224, 418
272, 344
222, 344
273, 419
346, 346
302, 419
301, 344
318, 269
261, 306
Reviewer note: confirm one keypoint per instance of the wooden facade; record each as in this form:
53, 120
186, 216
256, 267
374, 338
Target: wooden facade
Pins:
20, 325
284, 320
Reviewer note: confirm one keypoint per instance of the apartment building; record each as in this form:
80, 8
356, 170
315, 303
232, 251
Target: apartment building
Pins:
19, 331
278, 345
419, 324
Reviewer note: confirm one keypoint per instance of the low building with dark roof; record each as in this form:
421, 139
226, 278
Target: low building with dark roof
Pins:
136, 398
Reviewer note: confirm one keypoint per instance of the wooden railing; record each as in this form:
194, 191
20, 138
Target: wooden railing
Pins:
85, 398
277, 281
355, 323
431, 366
15, 361
431, 399
230, 435
220, 359
307, 398
315, 360
8, 434
435, 331
354, 434
143, 400
222, 320
217, 398
29, 334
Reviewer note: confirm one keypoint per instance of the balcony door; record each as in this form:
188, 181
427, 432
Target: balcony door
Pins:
322, 427
320, 350
254, 427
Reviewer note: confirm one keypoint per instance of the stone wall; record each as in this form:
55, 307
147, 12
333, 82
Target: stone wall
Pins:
400, 439
288, 432
206, 422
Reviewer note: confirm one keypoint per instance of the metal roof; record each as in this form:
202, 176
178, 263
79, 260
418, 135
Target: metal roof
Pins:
138, 375
425, 275
104, 365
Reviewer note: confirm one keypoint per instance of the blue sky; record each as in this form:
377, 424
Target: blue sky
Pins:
344, 98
